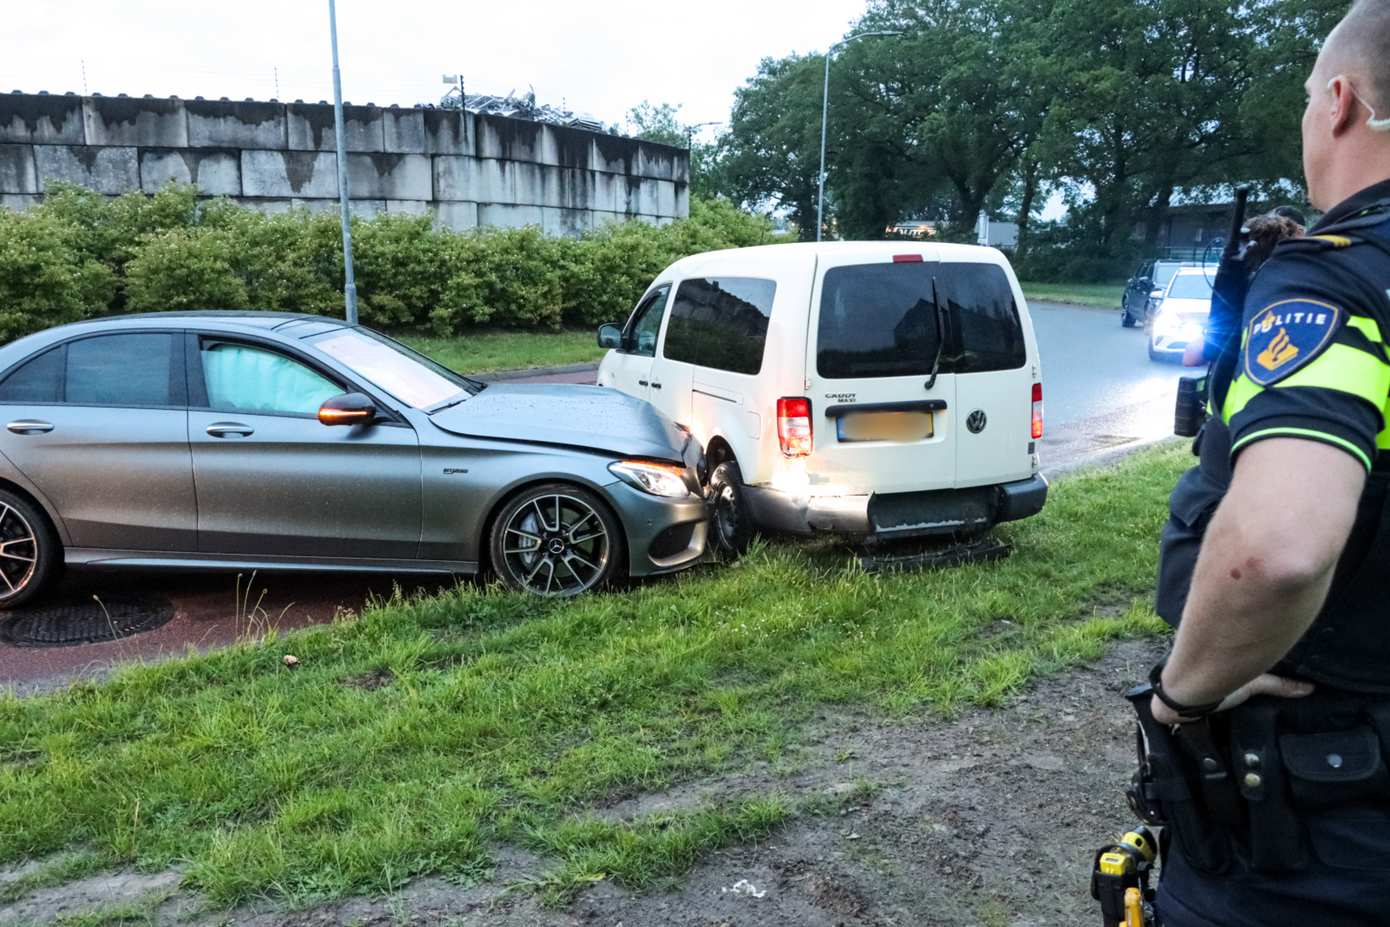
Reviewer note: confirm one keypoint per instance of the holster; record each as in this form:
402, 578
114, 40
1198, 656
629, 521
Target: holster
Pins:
1169, 788
1272, 784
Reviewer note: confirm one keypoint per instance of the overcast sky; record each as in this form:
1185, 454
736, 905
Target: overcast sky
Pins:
599, 57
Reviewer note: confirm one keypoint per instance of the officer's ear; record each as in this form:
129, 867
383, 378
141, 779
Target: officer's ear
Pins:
1341, 101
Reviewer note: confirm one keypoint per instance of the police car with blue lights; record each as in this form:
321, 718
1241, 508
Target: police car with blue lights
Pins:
1181, 317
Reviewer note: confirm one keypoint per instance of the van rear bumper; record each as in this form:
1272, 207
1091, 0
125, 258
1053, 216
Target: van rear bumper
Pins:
898, 515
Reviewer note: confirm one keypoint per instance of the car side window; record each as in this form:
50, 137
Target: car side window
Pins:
645, 325
250, 379
39, 379
121, 370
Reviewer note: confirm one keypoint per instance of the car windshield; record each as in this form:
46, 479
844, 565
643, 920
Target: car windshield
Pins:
1190, 286
410, 377
1163, 273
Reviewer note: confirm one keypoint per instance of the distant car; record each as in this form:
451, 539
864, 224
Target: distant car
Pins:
1183, 310
871, 390
271, 441
1145, 289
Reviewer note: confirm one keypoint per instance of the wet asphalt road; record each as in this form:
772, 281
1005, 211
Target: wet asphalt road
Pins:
1102, 396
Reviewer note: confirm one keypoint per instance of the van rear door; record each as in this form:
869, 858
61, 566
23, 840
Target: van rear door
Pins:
883, 422
989, 353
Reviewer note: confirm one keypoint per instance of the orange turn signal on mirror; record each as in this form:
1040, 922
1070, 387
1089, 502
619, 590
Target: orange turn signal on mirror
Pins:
348, 409
343, 416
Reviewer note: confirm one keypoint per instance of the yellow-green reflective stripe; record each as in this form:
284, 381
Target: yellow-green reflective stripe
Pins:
1367, 327
1303, 433
1341, 367
1242, 390
1348, 369
1383, 439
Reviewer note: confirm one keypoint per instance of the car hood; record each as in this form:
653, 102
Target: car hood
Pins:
589, 417
1187, 306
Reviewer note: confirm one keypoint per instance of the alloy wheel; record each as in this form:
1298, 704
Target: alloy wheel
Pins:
19, 552
556, 545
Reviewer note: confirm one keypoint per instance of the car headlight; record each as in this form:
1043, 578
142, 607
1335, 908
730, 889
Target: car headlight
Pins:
658, 479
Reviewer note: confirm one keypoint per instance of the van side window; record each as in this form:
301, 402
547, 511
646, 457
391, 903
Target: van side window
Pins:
986, 334
721, 323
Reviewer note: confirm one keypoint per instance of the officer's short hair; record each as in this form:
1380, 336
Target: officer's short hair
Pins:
1365, 34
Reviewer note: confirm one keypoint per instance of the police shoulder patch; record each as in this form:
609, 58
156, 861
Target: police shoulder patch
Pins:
1287, 336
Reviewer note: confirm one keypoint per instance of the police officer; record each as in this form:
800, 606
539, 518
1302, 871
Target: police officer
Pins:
1276, 560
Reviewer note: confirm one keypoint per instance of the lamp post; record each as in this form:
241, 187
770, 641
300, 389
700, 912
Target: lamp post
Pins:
824, 119
691, 129
349, 281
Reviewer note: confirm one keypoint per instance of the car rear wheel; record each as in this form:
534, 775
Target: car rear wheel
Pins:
30, 553
556, 540
732, 521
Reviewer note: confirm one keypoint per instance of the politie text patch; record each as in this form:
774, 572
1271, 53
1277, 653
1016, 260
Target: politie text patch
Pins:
1286, 336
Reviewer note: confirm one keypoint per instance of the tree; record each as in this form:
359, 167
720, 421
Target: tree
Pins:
771, 151
1163, 96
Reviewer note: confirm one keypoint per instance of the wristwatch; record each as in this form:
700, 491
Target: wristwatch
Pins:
1186, 712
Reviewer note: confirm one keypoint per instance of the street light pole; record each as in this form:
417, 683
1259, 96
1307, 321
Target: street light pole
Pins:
349, 280
824, 122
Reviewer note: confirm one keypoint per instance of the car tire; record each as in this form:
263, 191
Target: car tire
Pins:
1126, 320
730, 517
556, 540
31, 556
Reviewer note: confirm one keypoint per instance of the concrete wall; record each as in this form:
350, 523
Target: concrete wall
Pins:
465, 170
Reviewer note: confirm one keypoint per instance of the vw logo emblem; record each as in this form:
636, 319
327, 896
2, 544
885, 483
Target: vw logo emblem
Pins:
977, 421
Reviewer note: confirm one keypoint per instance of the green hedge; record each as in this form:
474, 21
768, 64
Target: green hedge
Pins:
79, 254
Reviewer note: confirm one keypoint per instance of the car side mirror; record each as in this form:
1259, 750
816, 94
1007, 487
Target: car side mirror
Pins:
610, 336
348, 409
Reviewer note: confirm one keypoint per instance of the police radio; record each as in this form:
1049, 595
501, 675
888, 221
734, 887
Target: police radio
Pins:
1227, 299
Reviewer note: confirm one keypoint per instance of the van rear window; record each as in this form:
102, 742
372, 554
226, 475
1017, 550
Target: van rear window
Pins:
720, 323
880, 320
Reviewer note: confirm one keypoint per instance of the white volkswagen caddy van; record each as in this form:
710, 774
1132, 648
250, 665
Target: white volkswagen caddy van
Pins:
873, 389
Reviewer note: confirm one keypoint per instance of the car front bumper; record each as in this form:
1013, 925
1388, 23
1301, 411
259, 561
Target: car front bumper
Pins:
899, 515
663, 535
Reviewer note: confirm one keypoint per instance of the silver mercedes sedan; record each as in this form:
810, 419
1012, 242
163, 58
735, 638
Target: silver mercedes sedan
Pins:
272, 441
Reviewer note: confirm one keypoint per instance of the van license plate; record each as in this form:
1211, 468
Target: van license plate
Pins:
902, 427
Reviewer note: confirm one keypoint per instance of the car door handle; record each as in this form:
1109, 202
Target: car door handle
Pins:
230, 430
656, 385
29, 427
643, 383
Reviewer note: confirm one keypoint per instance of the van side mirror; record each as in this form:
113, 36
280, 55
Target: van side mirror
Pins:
610, 336
348, 409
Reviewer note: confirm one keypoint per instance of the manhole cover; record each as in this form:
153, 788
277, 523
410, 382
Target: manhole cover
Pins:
85, 620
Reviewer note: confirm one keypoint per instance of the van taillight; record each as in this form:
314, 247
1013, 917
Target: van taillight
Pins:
794, 426
1037, 411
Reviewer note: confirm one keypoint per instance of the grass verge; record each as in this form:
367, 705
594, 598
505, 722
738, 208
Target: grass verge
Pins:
1092, 295
486, 352
508, 719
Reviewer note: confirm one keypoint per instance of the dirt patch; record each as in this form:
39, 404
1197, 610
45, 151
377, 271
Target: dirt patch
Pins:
97, 893
990, 819
369, 681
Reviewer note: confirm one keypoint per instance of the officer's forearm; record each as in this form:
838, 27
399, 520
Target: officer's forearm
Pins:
1266, 564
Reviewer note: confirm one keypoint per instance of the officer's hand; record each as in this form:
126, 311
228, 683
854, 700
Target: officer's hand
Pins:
1195, 354
1267, 684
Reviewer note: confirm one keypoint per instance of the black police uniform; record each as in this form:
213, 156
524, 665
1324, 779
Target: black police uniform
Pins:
1297, 823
